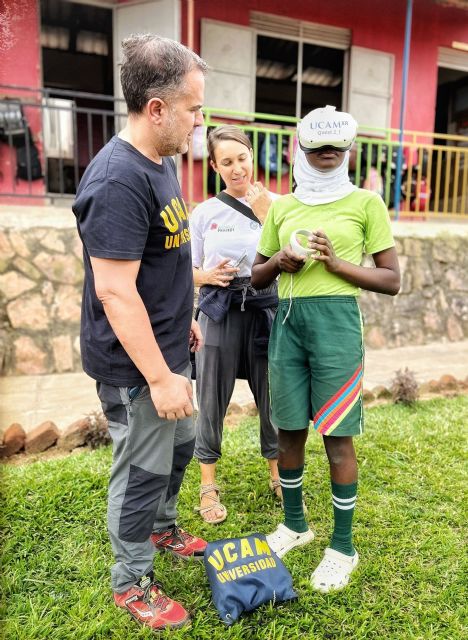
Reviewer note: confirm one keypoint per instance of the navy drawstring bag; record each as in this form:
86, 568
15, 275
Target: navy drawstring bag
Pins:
244, 573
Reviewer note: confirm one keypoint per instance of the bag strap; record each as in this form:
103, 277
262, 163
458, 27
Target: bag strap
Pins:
238, 206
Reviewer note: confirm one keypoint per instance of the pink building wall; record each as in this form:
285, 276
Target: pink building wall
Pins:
375, 24
20, 56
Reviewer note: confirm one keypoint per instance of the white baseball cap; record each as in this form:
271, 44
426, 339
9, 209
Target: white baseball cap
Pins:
326, 127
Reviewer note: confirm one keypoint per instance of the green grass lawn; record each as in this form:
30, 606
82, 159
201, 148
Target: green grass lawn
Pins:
410, 529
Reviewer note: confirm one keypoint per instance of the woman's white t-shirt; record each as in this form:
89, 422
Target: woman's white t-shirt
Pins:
218, 232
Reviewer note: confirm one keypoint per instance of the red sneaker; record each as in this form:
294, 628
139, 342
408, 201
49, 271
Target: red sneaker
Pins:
146, 602
180, 543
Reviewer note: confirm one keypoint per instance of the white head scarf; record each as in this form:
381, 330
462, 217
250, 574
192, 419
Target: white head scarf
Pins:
320, 187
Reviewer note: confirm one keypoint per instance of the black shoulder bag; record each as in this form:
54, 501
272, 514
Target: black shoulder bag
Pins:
238, 206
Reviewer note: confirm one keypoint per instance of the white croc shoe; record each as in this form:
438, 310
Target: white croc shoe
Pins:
334, 571
284, 539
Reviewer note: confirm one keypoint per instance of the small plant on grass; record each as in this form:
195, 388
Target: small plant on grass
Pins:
404, 387
98, 434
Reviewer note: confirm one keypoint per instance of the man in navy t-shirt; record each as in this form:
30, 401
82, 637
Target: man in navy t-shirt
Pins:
137, 316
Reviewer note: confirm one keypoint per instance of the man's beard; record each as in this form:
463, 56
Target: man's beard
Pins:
171, 142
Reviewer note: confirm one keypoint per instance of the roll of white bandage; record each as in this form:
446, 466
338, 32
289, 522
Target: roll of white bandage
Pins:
297, 247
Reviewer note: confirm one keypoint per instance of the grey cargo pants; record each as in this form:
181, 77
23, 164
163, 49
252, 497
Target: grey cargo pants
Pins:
150, 455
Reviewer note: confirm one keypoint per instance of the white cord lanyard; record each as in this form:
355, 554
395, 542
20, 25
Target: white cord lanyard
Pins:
298, 248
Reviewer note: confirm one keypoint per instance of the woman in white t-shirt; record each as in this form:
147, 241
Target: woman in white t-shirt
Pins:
235, 320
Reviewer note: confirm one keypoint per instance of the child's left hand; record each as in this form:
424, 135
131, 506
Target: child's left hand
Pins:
318, 241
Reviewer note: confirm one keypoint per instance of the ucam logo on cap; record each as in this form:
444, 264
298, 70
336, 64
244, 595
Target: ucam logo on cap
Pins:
326, 127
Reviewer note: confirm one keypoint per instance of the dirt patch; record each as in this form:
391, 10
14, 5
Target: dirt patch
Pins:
20, 459
232, 421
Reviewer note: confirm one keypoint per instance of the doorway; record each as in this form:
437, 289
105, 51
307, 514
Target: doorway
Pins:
451, 114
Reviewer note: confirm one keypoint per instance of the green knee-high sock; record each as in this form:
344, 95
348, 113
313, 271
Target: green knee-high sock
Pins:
291, 485
344, 500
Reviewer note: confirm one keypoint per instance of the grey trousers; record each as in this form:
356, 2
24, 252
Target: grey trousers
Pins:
228, 349
149, 460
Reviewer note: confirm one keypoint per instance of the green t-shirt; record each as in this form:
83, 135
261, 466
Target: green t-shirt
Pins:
355, 225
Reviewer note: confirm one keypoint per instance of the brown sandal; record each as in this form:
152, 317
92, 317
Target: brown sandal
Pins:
275, 488
216, 504
274, 484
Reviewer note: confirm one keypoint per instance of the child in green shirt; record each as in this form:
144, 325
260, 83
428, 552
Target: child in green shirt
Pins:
316, 345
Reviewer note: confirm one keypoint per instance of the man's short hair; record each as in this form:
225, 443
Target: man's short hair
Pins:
155, 67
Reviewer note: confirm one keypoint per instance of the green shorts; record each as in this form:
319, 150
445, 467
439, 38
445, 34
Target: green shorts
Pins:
315, 362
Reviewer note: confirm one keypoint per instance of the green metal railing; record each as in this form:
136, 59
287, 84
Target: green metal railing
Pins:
435, 173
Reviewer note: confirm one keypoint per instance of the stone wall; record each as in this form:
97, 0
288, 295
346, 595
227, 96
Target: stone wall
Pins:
433, 301
41, 277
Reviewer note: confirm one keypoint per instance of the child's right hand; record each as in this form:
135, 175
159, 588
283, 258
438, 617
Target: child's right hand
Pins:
287, 260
